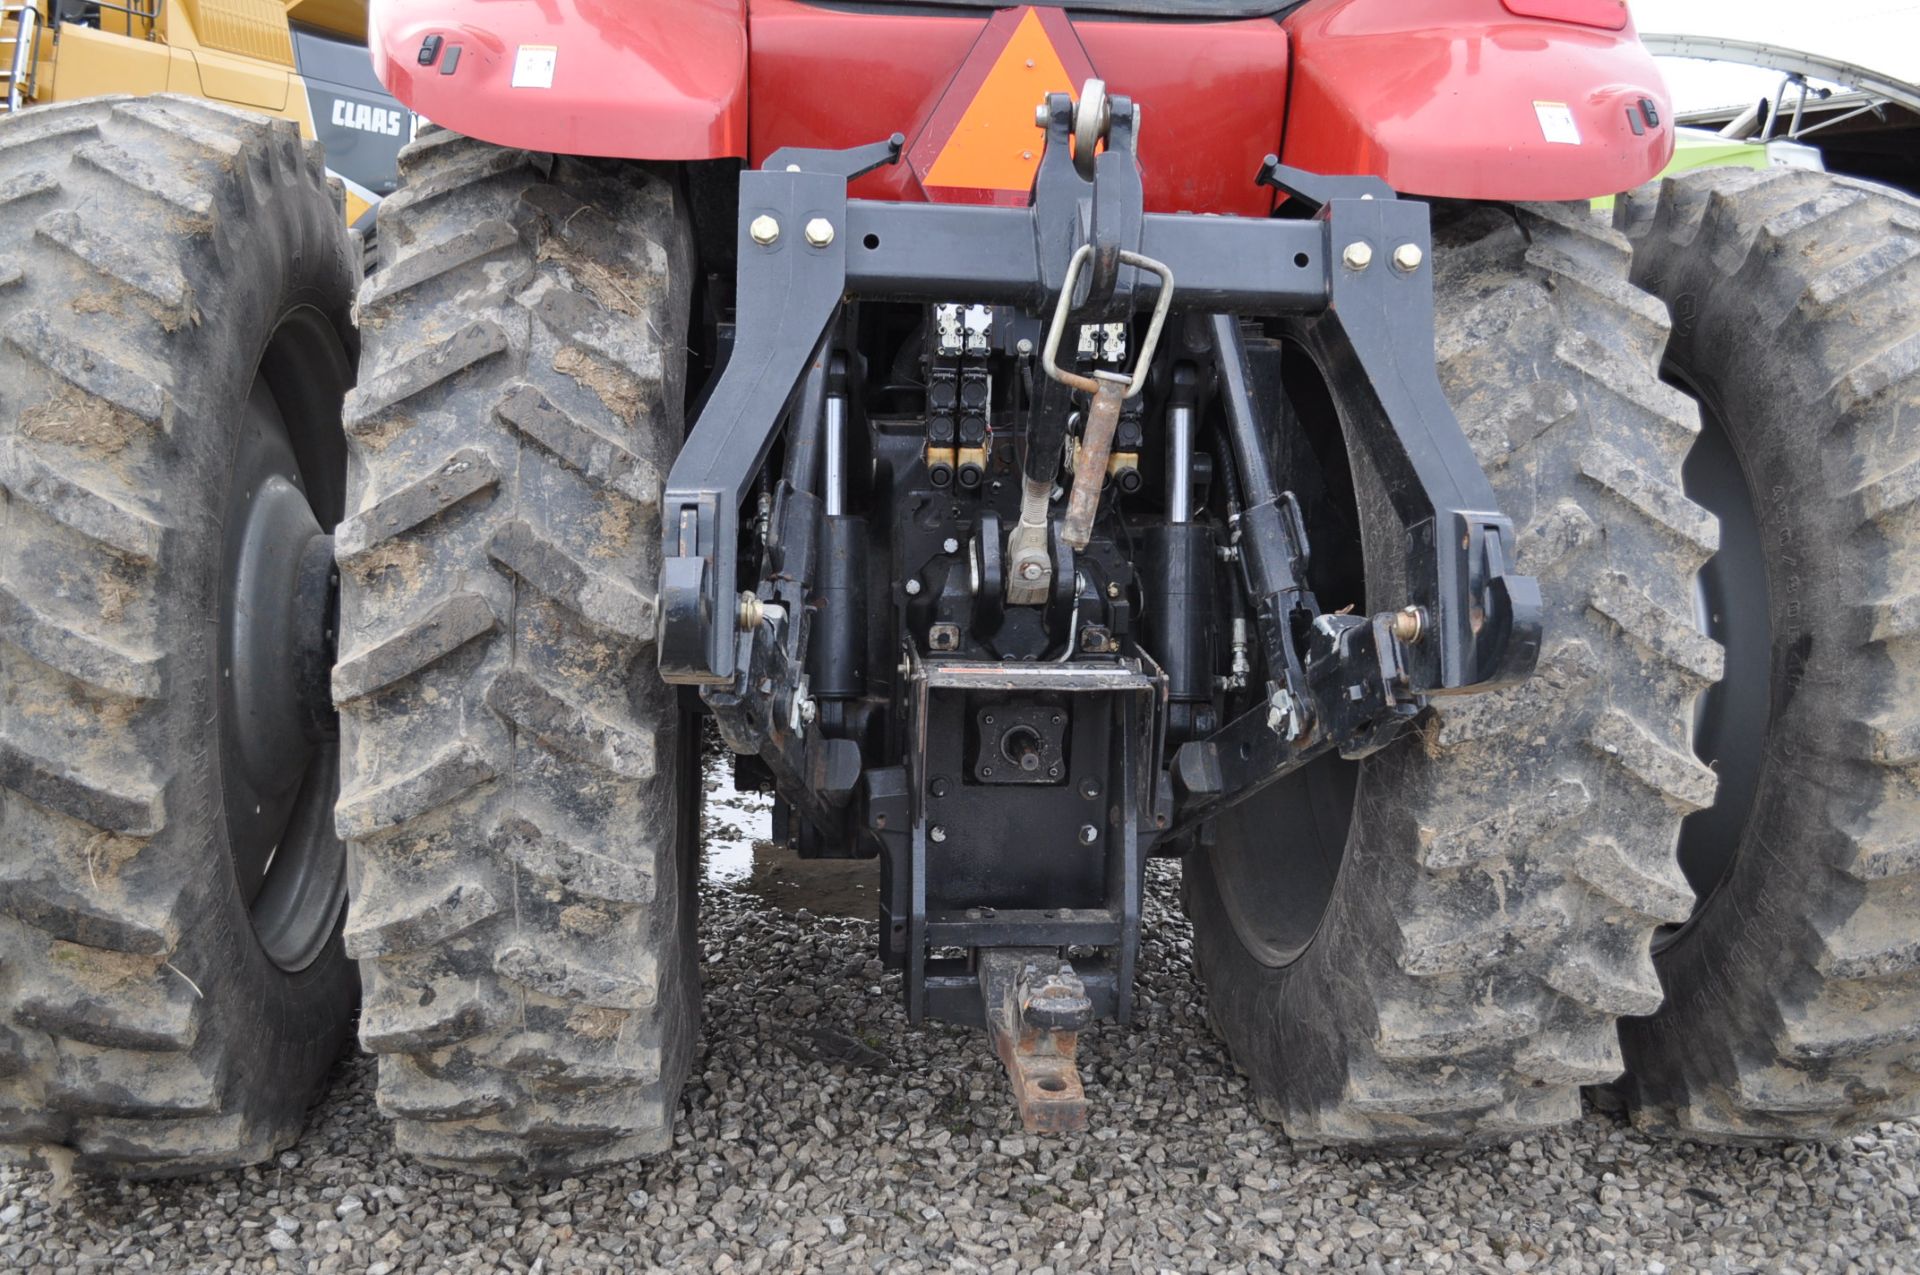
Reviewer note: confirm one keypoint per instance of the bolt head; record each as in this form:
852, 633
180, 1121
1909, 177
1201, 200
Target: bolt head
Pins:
1113, 590
1030, 571
764, 230
1407, 257
1088, 834
913, 587
1040, 115
1358, 255
819, 232
1409, 624
950, 545
936, 833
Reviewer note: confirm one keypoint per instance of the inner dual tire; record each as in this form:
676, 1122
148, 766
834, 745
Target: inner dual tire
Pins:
517, 784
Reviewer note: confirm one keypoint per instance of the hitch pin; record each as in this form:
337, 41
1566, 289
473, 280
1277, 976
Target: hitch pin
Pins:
1109, 390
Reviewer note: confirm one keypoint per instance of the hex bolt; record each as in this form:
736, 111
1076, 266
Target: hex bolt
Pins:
1358, 255
1089, 788
1088, 834
764, 229
1029, 571
1407, 258
936, 833
1113, 590
819, 232
913, 587
950, 545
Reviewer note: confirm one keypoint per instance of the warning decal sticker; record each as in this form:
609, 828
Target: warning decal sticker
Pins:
1556, 123
533, 66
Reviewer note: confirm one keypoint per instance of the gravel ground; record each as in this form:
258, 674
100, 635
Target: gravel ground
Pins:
820, 1132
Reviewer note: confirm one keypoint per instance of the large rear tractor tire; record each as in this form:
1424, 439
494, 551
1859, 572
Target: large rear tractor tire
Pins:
175, 342
1793, 992
1436, 944
515, 789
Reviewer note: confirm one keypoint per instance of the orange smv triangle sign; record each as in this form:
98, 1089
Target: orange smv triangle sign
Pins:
995, 145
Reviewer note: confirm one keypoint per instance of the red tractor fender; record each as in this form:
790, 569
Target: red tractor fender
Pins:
626, 79
1467, 99
1472, 99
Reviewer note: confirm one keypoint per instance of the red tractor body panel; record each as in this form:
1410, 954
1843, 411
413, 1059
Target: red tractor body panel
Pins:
1465, 99
1449, 98
630, 79
1213, 94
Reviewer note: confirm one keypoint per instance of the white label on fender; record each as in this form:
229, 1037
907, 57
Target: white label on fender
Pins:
533, 66
1556, 122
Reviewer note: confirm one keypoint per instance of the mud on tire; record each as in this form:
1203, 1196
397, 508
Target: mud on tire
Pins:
163, 262
513, 764
1793, 995
1503, 871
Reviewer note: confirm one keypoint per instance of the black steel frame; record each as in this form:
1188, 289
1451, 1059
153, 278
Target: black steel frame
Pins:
1372, 329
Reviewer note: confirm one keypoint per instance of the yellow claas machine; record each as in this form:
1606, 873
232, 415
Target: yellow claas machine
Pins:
303, 60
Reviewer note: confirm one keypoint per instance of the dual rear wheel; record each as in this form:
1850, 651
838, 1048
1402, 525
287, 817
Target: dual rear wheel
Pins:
1630, 872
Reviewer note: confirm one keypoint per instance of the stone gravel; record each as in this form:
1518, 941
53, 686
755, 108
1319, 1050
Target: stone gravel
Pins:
820, 1132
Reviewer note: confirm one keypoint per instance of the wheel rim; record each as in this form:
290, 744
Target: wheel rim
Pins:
1276, 888
1277, 858
1731, 606
278, 749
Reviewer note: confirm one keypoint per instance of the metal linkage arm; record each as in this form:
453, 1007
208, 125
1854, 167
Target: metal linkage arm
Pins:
1476, 627
793, 269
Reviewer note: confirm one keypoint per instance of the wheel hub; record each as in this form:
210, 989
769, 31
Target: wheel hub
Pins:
1732, 607
278, 755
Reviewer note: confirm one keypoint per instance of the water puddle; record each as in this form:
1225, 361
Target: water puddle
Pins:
732, 822
737, 855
